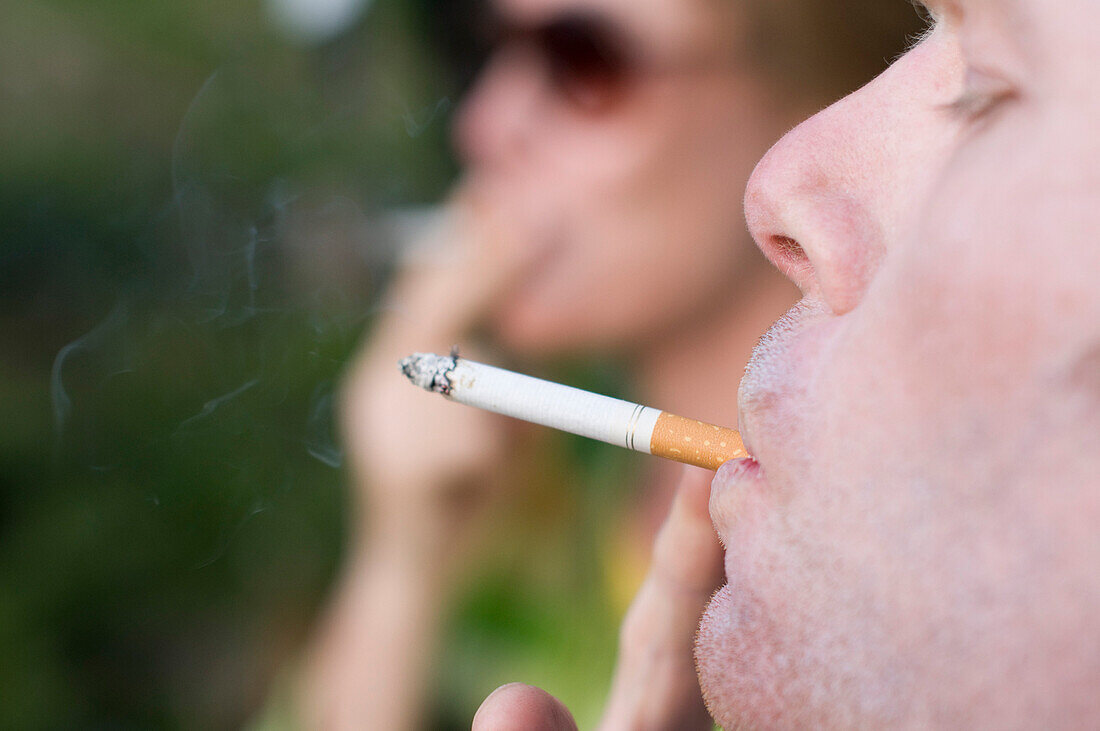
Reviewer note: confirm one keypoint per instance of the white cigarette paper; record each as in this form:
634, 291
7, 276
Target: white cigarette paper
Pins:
622, 423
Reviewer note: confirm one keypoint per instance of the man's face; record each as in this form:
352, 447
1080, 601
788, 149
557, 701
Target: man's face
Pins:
613, 195
918, 544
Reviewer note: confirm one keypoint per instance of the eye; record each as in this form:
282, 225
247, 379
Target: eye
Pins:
982, 94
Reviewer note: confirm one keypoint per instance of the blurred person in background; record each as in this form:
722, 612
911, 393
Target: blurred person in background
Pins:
606, 146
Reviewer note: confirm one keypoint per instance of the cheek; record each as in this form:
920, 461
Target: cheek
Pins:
957, 325
952, 328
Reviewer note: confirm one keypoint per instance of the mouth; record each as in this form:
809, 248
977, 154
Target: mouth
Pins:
746, 434
739, 469
541, 270
778, 376
771, 390
734, 477
738, 492
545, 261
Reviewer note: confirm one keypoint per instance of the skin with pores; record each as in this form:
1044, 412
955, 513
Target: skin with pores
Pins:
917, 546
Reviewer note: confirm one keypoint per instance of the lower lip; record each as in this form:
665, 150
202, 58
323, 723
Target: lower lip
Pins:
737, 470
739, 484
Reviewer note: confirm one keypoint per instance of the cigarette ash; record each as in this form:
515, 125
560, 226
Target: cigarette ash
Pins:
430, 371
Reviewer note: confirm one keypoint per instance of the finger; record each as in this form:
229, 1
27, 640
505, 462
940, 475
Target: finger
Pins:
655, 685
686, 553
519, 707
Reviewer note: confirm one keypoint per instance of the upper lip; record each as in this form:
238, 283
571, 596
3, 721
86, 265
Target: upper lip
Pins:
746, 435
768, 374
745, 420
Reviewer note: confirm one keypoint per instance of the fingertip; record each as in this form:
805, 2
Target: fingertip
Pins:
693, 494
686, 548
521, 707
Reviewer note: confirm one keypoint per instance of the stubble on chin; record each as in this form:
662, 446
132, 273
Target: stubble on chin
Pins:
781, 662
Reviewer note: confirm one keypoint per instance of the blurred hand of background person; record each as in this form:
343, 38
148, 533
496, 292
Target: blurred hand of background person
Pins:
415, 457
425, 471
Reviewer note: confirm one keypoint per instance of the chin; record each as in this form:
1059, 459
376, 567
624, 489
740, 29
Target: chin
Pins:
739, 688
763, 664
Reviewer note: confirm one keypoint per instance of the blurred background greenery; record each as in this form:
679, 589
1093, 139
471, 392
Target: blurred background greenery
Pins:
191, 244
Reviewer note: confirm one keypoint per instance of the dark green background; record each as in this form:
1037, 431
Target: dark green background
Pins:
178, 184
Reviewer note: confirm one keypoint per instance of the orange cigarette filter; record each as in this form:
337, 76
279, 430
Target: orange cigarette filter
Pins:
695, 442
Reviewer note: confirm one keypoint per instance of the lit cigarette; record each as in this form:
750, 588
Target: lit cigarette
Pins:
591, 415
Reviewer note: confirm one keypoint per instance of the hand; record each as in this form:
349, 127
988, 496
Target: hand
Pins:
412, 455
420, 460
655, 684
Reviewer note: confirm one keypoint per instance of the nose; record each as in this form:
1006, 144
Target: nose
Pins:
494, 125
828, 200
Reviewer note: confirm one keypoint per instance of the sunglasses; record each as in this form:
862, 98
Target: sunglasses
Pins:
589, 59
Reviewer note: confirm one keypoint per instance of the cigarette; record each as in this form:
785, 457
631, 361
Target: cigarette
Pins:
622, 423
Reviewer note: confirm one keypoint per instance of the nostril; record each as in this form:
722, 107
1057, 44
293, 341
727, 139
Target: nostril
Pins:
791, 259
787, 249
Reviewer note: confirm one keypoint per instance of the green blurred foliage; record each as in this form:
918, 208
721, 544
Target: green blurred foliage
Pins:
190, 248
192, 243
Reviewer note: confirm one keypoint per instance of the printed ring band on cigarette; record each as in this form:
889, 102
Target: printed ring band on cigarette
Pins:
591, 415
